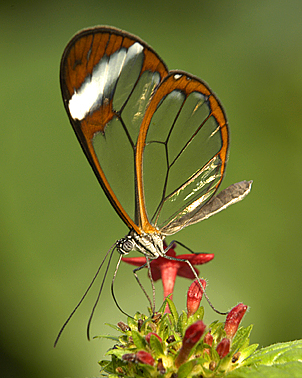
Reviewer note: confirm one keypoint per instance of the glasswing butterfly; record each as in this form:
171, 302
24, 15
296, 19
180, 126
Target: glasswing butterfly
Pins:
157, 140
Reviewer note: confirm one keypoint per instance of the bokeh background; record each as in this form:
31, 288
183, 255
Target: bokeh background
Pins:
56, 223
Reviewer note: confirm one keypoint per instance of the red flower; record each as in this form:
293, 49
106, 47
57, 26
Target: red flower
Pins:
233, 319
194, 296
144, 357
167, 270
148, 337
223, 347
192, 336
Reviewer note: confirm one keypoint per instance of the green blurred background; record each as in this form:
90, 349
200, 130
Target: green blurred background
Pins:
56, 223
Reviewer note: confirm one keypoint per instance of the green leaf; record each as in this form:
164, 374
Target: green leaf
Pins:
282, 360
185, 369
138, 340
173, 310
198, 315
104, 363
132, 323
243, 332
156, 346
163, 328
116, 339
114, 327
109, 368
241, 339
287, 370
163, 306
145, 371
123, 339
215, 326
117, 352
217, 330
278, 353
247, 352
182, 323
138, 315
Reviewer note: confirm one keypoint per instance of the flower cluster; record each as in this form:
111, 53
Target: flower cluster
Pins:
178, 345
170, 345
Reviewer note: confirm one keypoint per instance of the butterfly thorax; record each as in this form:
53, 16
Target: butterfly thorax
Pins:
150, 245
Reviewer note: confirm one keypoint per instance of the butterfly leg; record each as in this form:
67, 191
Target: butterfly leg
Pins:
152, 305
182, 245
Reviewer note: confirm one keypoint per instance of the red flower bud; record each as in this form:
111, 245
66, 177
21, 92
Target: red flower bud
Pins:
233, 319
223, 347
192, 336
144, 357
194, 333
148, 337
208, 339
194, 296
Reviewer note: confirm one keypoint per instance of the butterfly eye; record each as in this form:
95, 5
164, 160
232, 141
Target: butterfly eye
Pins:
125, 245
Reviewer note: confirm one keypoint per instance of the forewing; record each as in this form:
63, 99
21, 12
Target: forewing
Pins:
181, 151
107, 79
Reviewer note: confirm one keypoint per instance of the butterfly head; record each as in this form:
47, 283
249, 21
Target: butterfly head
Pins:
151, 245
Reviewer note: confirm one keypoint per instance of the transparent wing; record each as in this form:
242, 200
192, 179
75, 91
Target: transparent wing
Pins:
107, 79
181, 151
232, 194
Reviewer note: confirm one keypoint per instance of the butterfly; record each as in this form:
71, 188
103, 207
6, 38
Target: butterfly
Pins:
157, 140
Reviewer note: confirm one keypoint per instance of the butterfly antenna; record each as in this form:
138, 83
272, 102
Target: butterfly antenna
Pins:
112, 289
196, 276
152, 284
86, 292
100, 291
